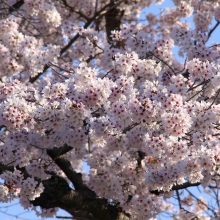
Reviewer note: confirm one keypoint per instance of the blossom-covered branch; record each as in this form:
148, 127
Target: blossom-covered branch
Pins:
75, 93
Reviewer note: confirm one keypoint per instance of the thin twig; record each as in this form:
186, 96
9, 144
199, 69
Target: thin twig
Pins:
194, 95
198, 200
214, 99
29, 22
107, 73
163, 61
212, 30
60, 75
178, 198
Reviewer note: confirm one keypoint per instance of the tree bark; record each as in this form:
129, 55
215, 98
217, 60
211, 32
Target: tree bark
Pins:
112, 20
79, 203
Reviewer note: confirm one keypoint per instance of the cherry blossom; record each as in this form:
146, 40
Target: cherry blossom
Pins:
75, 91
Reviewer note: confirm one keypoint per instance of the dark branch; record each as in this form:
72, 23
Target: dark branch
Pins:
66, 167
212, 30
56, 152
72, 9
79, 203
112, 20
178, 199
177, 187
33, 79
5, 168
7, 9
16, 6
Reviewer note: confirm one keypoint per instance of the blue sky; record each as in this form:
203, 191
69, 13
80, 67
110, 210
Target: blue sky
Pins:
13, 211
16, 210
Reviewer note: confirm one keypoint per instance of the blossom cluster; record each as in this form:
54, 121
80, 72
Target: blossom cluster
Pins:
23, 53
143, 121
16, 186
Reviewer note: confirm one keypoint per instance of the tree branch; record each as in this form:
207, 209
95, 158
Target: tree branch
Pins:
5, 168
16, 6
7, 9
178, 199
112, 20
212, 30
176, 187
72, 9
78, 203
76, 178
56, 152
101, 12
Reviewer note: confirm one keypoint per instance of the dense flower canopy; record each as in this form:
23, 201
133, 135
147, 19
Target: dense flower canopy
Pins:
115, 98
